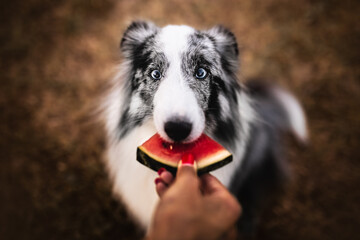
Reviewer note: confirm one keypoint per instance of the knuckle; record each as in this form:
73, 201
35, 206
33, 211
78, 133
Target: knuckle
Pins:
233, 205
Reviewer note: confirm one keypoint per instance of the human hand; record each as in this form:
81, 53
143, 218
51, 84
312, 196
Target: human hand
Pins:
193, 208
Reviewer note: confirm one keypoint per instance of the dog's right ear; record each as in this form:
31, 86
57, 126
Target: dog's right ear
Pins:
136, 34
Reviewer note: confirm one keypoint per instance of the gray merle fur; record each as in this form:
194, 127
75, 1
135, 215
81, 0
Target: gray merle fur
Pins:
263, 168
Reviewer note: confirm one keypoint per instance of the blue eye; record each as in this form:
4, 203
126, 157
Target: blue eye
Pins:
155, 74
200, 73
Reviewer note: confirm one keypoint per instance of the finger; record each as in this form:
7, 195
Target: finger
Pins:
211, 185
186, 176
167, 177
186, 184
218, 193
187, 166
160, 187
187, 170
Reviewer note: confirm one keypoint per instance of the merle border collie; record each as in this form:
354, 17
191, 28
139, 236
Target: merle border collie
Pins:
181, 82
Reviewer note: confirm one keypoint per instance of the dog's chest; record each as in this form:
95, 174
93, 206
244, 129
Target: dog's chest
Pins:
133, 182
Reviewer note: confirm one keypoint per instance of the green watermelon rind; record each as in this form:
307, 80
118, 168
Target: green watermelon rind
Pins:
215, 165
150, 162
156, 164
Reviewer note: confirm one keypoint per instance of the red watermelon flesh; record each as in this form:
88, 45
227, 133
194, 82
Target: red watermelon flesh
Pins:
209, 155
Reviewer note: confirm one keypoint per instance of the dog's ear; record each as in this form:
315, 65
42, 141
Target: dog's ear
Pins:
136, 34
226, 44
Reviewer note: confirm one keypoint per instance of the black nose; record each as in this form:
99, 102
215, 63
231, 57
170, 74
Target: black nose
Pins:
178, 130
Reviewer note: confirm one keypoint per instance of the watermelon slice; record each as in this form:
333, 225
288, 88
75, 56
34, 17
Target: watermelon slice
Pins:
209, 155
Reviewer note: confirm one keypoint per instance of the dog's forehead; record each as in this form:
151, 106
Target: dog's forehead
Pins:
175, 39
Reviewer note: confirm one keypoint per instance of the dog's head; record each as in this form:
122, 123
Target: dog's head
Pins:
181, 77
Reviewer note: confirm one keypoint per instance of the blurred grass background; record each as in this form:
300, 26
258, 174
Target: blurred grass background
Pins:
56, 56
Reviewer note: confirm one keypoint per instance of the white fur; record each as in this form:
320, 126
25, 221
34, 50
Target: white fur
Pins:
295, 113
133, 182
174, 98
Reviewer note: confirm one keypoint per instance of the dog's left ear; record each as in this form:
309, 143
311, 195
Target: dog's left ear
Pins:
226, 44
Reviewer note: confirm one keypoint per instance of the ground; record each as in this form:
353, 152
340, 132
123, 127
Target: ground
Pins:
56, 57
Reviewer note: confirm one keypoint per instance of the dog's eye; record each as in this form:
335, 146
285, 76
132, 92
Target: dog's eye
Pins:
155, 74
200, 73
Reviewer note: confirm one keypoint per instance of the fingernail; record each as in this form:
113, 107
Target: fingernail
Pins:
187, 159
157, 180
161, 170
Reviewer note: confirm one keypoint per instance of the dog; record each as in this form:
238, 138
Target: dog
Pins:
181, 82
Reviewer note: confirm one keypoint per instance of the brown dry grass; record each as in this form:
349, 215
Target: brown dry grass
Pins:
57, 55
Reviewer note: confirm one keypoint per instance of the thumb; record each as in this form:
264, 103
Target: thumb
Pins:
187, 166
186, 173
